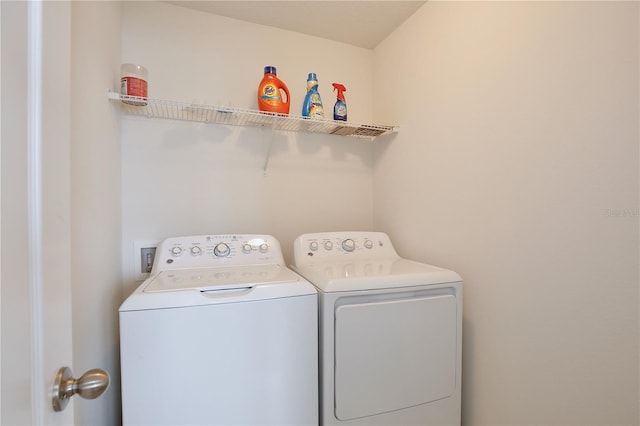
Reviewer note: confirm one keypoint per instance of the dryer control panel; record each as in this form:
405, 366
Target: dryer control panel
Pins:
338, 246
208, 251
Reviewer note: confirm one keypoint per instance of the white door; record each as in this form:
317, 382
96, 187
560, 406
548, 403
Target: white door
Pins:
35, 227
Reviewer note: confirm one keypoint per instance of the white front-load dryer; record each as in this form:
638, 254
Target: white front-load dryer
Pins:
390, 332
221, 333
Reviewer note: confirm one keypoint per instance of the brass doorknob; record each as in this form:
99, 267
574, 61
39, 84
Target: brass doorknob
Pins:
89, 386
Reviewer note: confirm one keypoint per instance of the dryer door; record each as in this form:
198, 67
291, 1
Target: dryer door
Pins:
394, 353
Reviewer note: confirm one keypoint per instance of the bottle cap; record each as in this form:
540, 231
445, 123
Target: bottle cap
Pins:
269, 70
312, 76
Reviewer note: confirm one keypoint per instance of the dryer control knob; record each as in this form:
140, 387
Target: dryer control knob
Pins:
313, 246
368, 244
221, 250
328, 245
196, 251
246, 248
176, 251
264, 247
348, 245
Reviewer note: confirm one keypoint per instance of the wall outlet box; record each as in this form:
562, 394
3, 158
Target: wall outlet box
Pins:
144, 253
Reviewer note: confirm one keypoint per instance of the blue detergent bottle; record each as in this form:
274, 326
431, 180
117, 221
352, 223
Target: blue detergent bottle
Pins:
312, 105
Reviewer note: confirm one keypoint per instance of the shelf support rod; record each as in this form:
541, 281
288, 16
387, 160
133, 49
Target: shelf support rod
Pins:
266, 160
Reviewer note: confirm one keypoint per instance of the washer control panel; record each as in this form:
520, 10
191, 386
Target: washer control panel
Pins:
342, 245
210, 251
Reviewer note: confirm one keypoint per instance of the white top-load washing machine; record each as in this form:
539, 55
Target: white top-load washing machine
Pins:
221, 333
390, 332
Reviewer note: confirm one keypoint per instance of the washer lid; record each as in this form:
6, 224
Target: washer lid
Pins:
215, 279
210, 286
374, 274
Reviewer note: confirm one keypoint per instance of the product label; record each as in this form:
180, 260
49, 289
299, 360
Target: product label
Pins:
132, 86
315, 107
271, 94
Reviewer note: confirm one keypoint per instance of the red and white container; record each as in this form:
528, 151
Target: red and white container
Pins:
133, 82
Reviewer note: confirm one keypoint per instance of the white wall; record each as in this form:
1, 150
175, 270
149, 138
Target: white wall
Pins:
144, 179
518, 163
96, 203
184, 178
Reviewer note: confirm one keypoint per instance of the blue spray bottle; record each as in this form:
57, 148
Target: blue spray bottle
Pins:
312, 106
340, 108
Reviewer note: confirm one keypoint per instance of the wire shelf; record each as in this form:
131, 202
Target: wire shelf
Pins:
172, 110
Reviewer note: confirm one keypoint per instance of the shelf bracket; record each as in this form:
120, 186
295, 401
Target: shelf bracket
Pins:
273, 131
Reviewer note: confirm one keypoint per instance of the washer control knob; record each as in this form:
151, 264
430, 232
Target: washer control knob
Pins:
246, 248
368, 244
328, 245
221, 250
196, 251
313, 245
176, 251
348, 245
264, 247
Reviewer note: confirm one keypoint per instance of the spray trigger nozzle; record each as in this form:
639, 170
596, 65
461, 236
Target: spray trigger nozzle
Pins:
341, 89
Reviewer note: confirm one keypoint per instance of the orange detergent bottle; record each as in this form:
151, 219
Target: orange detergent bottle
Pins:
273, 94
